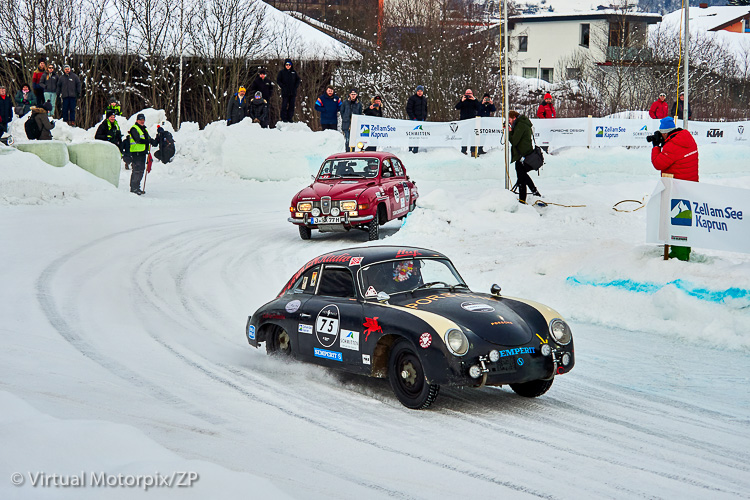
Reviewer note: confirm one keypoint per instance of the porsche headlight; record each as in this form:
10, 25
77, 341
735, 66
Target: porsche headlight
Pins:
304, 206
457, 342
560, 331
348, 206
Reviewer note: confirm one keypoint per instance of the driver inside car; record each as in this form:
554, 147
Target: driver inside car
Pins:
405, 275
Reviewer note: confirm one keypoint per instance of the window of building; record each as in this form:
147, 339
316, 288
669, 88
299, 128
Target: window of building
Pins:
585, 30
523, 43
547, 74
529, 72
573, 73
619, 34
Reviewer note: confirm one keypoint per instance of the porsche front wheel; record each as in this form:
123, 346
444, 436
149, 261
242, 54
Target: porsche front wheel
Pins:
407, 378
532, 389
278, 342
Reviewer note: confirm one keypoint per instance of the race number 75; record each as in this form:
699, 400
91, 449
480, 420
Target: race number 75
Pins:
327, 325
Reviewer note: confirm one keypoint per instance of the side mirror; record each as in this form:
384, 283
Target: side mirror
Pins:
383, 297
495, 289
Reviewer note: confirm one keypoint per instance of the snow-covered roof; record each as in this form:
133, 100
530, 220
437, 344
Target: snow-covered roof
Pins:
707, 19
589, 14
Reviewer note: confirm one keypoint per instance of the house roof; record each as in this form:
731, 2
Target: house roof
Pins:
708, 19
543, 17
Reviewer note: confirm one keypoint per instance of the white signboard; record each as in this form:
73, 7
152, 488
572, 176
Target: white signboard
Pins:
694, 214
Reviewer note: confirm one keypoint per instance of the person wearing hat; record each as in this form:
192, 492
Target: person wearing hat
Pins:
659, 108
375, 108
39, 115
6, 109
486, 108
263, 84
676, 153
416, 109
69, 88
328, 105
25, 100
36, 81
237, 107
258, 109
288, 81
109, 130
677, 108
49, 84
113, 105
546, 108
349, 107
140, 144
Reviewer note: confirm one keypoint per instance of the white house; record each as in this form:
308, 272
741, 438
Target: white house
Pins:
541, 44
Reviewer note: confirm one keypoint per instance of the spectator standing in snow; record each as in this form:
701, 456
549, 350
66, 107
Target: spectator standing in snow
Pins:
262, 84
486, 108
374, 109
6, 110
288, 81
677, 108
237, 107
675, 152
69, 88
24, 100
349, 107
109, 130
659, 108
257, 110
546, 108
49, 84
36, 81
519, 136
468, 107
140, 143
39, 115
328, 105
416, 109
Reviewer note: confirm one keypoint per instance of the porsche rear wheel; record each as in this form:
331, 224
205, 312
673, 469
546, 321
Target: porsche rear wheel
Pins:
278, 342
305, 232
406, 375
532, 389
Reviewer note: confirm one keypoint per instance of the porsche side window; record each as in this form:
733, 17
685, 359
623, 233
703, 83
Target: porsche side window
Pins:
397, 167
336, 282
306, 283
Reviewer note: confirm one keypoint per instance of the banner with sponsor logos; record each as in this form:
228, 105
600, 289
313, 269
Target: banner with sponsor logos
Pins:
694, 214
556, 133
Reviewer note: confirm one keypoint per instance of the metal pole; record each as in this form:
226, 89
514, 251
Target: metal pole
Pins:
687, 65
182, 50
506, 100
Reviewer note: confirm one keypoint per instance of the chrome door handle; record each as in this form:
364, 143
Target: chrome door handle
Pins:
304, 316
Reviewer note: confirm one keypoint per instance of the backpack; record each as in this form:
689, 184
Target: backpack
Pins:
166, 146
33, 132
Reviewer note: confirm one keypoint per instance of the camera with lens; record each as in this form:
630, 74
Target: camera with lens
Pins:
656, 139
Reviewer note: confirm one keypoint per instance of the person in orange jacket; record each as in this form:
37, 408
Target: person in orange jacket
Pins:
675, 152
546, 108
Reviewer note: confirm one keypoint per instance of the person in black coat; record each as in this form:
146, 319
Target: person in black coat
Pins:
288, 81
237, 107
262, 84
109, 130
257, 110
469, 108
6, 109
486, 107
416, 109
677, 108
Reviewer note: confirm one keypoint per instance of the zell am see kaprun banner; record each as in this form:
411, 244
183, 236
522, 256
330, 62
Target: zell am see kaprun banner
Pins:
555, 132
694, 214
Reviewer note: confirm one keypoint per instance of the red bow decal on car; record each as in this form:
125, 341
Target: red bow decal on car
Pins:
371, 326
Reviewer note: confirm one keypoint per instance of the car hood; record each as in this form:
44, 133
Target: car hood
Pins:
341, 190
501, 321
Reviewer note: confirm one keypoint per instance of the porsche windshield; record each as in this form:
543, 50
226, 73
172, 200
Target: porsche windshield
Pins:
364, 168
405, 275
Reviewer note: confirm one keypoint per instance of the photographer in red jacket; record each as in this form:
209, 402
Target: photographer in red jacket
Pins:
675, 152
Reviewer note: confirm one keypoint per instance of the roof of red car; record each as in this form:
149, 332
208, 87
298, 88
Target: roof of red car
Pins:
362, 154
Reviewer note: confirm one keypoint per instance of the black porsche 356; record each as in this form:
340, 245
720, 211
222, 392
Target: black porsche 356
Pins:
406, 314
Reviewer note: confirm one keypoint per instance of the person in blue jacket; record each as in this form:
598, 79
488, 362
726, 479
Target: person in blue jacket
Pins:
328, 106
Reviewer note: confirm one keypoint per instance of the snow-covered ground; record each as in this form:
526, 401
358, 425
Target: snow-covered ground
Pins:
124, 348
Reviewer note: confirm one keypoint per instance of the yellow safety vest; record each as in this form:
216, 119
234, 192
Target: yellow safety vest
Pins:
135, 147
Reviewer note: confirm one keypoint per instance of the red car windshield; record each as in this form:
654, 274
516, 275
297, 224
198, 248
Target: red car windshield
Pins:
362, 168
